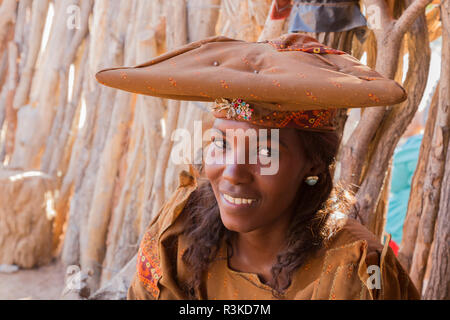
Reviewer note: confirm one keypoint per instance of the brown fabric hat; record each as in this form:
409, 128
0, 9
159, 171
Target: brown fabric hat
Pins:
293, 77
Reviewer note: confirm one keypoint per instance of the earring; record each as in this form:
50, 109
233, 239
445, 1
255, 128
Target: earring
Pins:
312, 180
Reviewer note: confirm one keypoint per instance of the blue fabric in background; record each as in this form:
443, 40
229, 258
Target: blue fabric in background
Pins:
325, 16
403, 167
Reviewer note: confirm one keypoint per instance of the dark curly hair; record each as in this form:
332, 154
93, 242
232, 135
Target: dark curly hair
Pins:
205, 231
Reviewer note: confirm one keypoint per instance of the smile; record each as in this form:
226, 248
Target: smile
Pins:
238, 201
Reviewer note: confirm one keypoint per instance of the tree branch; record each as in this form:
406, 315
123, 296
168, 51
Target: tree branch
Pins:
409, 16
272, 28
396, 120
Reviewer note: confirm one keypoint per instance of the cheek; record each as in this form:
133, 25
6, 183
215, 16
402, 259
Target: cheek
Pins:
213, 167
280, 190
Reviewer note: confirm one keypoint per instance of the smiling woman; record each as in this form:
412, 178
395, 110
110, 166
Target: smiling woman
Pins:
233, 231
273, 235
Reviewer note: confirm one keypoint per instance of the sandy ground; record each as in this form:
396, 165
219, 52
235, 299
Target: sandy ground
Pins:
44, 283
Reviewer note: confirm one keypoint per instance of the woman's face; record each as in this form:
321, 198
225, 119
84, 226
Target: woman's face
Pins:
273, 195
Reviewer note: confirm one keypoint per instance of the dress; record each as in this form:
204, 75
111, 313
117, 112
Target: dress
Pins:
347, 268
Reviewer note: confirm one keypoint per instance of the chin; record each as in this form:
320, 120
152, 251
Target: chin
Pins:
237, 224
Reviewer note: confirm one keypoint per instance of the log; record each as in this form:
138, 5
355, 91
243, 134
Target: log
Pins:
65, 111
3, 73
90, 135
64, 149
395, 123
79, 177
202, 18
438, 287
176, 31
434, 23
100, 210
416, 196
3, 76
244, 19
84, 163
7, 21
272, 28
94, 230
378, 218
388, 33
123, 232
44, 86
39, 14
10, 113
433, 183
153, 140
22, 29
151, 109
25, 218
437, 273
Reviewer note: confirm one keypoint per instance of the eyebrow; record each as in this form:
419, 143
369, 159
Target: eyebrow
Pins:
268, 138
279, 139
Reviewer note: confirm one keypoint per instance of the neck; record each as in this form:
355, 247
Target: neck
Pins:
257, 251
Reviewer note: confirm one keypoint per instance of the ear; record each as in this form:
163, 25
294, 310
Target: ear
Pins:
314, 169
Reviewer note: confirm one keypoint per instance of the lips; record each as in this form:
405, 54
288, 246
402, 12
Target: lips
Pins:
236, 194
238, 200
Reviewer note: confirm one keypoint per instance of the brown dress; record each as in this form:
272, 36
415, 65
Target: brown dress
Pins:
353, 265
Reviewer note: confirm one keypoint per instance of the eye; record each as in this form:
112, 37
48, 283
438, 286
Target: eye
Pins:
218, 142
265, 152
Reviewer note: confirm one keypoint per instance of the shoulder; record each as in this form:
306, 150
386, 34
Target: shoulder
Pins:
353, 252
174, 205
152, 255
351, 231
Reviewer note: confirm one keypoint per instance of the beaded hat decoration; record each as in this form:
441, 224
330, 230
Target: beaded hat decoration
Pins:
291, 81
237, 109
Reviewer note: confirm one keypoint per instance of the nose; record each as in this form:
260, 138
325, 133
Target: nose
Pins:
237, 174
238, 169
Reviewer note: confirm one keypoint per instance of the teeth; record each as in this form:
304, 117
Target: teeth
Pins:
238, 200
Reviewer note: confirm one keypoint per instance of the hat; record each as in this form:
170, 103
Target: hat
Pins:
292, 81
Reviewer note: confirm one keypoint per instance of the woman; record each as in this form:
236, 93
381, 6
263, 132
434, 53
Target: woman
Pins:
231, 232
